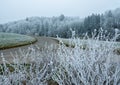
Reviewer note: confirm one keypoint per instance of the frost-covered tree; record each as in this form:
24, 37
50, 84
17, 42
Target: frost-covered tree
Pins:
92, 22
52, 26
61, 17
1, 28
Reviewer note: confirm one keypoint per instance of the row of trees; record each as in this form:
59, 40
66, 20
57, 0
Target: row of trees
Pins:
45, 26
109, 21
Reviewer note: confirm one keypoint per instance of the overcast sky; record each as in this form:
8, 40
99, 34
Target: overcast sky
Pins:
11, 10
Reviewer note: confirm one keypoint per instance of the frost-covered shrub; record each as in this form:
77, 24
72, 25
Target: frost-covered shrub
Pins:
89, 66
92, 65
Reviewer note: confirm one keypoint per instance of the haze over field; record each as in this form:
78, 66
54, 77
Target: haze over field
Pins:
11, 10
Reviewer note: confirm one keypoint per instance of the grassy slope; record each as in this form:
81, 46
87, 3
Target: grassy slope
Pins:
69, 43
9, 40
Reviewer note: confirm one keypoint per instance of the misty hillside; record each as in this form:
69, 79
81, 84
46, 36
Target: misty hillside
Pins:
62, 25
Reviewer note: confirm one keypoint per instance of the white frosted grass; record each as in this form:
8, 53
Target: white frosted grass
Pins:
89, 65
8, 40
84, 65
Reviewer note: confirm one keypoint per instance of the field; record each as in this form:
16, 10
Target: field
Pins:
9, 40
71, 43
57, 61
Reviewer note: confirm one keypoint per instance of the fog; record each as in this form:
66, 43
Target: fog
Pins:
11, 10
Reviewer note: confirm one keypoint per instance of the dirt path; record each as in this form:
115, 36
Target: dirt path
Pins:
41, 42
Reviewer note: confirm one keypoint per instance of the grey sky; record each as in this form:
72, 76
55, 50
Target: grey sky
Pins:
11, 10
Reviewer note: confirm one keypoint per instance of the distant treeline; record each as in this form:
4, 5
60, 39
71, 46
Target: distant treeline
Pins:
61, 25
